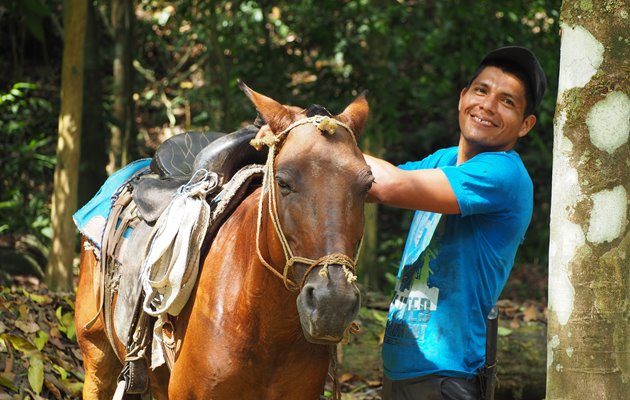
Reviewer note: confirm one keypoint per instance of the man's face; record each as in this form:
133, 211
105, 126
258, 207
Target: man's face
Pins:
491, 112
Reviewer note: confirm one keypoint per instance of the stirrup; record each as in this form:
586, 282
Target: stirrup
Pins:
133, 379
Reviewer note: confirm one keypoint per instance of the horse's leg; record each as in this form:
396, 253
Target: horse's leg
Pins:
99, 359
158, 379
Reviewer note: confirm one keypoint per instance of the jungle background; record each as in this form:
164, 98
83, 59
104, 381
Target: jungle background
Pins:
185, 58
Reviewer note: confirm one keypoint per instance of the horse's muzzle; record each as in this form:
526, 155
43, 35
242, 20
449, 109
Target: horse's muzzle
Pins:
327, 306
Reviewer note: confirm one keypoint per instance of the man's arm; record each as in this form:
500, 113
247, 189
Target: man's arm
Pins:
426, 189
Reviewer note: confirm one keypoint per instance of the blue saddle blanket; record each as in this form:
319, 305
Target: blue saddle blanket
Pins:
92, 217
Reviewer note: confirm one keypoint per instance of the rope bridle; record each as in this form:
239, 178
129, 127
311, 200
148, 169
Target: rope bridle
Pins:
324, 124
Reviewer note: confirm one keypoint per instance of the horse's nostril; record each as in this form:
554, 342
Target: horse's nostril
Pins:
309, 297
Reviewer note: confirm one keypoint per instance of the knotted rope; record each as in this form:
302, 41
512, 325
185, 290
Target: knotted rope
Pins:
324, 124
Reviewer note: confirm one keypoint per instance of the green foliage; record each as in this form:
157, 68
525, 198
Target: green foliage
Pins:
414, 57
30, 32
32, 11
27, 150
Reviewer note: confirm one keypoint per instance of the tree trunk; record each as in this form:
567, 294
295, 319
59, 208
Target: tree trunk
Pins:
219, 71
64, 199
370, 271
588, 348
122, 23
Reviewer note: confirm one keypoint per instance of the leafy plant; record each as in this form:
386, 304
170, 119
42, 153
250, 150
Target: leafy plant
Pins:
27, 150
411, 56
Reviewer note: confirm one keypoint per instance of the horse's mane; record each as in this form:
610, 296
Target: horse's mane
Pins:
316, 109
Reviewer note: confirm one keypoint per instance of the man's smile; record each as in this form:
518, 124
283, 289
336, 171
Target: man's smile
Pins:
482, 121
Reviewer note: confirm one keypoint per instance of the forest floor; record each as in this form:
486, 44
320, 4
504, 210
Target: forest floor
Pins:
40, 359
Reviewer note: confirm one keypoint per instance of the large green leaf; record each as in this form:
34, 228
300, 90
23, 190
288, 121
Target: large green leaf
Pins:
41, 340
66, 323
20, 343
36, 373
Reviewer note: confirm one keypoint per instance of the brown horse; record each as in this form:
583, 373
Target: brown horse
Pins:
275, 287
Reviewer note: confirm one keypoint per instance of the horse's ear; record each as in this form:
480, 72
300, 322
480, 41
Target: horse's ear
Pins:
277, 116
356, 114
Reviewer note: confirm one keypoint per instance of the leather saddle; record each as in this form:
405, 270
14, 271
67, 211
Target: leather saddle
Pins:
177, 159
174, 164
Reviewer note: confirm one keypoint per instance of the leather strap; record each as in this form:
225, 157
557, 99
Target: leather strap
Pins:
109, 251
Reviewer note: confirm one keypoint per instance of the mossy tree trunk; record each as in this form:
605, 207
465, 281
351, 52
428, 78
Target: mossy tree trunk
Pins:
588, 349
64, 199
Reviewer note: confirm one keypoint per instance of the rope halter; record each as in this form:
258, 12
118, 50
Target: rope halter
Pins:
325, 125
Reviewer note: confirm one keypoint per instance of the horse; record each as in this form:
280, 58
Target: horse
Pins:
275, 289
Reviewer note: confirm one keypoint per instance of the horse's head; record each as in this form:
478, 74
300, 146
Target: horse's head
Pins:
315, 185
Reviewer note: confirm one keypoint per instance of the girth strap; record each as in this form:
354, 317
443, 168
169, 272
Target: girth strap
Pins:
134, 377
119, 219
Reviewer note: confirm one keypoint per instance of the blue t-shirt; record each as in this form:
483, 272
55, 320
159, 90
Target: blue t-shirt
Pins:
454, 267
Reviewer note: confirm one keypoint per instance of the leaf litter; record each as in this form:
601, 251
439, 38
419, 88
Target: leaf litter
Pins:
40, 358
39, 355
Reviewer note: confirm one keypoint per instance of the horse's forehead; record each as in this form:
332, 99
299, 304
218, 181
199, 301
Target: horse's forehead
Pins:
307, 143
308, 135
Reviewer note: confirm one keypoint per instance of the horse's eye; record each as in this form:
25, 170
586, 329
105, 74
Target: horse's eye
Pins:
368, 186
368, 182
285, 188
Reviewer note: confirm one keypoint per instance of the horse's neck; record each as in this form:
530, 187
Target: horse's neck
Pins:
240, 282
247, 319
261, 280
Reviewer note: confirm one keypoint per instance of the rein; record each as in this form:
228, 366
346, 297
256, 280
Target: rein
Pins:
324, 124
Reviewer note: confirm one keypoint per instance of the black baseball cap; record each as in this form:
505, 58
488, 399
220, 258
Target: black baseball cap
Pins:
525, 60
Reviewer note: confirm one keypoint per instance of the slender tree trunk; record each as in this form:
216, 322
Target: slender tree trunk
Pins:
64, 200
368, 263
588, 349
219, 71
370, 271
122, 24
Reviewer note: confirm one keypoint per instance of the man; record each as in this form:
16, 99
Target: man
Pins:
474, 203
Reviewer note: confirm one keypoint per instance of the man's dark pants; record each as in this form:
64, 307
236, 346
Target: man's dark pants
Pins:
431, 387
